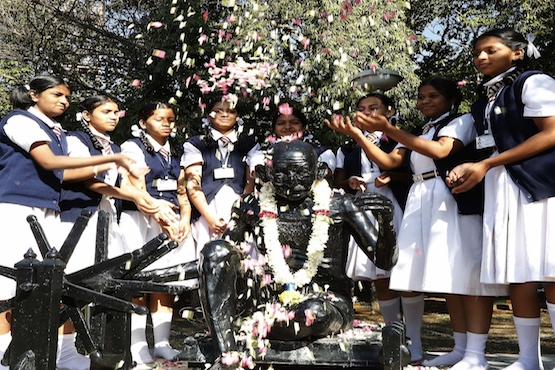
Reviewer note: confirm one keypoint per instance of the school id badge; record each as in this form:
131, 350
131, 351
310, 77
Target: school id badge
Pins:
165, 184
224, 173
485, 141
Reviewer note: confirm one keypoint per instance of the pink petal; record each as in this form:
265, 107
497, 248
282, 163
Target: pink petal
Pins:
159, 53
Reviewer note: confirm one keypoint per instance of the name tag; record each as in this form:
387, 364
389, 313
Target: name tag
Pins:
224, 173
165, 184
485, 141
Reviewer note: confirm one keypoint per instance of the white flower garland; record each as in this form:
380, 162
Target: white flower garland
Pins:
316, 245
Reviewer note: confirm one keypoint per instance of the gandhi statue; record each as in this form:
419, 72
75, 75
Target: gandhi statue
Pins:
301, 228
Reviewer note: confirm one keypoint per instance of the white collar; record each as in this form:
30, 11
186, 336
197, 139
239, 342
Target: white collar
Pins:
100, 135
47, 120
157, 145
232, 136
499, 77
439, 118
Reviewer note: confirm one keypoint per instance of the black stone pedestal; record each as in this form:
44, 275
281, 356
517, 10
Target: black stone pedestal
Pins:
359, 349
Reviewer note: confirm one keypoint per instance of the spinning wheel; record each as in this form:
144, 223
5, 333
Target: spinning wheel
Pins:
108, 285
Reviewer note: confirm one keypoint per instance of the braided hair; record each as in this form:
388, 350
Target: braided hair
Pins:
89, 105
147, 111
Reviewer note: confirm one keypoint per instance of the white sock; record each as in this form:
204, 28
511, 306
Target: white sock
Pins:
474, 356
390, 310
139, 345
67, 357
413, 310
451, 358
161, 325
5, 340
528, 332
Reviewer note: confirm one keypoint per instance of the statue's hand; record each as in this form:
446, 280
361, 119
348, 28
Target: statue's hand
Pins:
385, 251
378, 204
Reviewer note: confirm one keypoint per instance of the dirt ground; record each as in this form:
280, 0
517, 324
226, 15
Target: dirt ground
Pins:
437, 335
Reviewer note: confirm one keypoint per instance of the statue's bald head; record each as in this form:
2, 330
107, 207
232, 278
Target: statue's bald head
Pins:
295, 152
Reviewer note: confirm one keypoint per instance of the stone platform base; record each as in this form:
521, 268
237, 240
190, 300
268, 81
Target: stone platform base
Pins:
359, 348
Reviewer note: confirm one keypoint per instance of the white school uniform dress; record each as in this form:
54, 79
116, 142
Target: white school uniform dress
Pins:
16, 234
440, 250
328, 158
84, 254
223, 202
519, 237
359, 266
137, 228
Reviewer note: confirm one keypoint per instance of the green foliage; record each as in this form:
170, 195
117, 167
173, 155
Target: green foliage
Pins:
11, 73
316, 46
112, 47
455, 24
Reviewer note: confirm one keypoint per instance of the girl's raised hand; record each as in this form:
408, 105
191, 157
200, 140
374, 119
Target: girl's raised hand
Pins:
357, 183
343, 125
372, 122
382, 180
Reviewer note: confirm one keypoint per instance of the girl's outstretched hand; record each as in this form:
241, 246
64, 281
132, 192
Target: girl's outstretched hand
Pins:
146, 204
372, 122
177, 231
171, 230
357, 183
128, 165
465, 176
382, 180
184, 230
343, 125
166, 212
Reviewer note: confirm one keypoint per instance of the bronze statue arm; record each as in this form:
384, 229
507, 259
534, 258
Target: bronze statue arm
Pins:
379, 245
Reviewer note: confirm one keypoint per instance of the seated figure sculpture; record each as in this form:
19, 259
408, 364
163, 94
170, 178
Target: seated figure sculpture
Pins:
293, 285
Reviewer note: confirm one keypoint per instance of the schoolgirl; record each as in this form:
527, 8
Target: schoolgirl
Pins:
218, 169
439, 249
33, 164
291, 122
99, 116
356, 173
152, 147
515, 117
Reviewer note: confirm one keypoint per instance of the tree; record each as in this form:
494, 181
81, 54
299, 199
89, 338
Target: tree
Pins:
454, 24
316, 47
142, 50
90, 43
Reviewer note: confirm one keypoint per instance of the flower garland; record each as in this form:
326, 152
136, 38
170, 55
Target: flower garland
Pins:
316, 245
